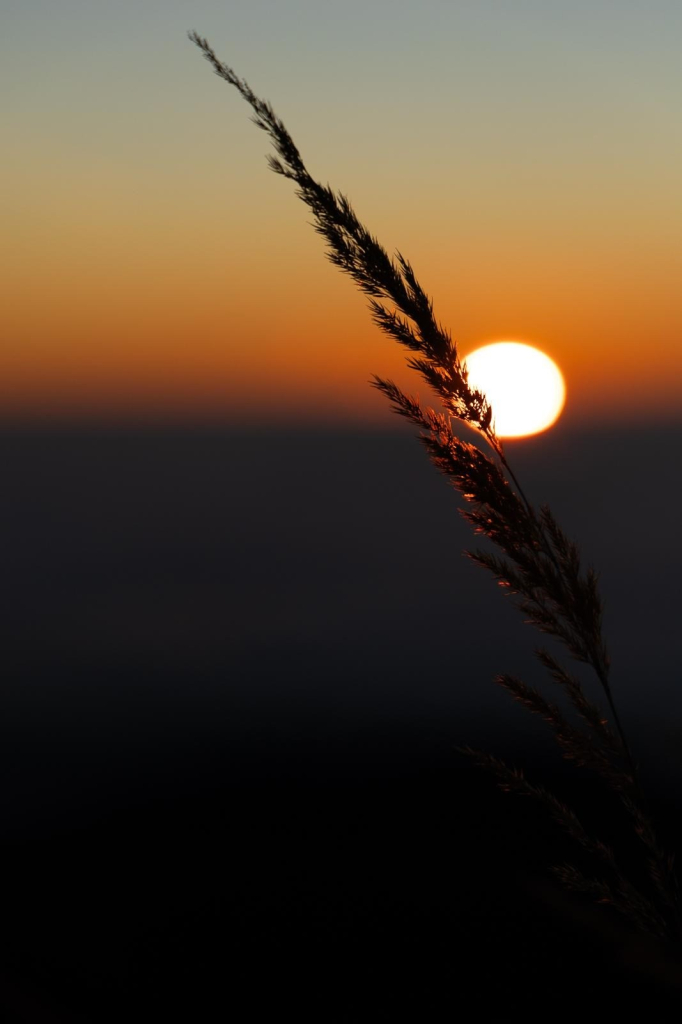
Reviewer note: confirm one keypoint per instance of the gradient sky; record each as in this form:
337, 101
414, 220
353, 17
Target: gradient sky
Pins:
526, 156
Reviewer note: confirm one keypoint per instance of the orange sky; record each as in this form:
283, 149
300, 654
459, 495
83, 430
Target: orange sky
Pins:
154, 266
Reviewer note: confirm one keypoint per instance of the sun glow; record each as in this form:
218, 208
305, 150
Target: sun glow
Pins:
523, 385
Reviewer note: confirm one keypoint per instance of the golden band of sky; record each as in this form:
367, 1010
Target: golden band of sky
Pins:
153, 265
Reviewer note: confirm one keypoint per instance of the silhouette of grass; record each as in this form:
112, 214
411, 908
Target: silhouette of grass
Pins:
536, 561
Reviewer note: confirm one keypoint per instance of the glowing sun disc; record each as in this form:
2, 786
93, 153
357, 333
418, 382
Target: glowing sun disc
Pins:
523, 385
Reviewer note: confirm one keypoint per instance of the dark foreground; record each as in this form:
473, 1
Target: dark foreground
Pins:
237, 668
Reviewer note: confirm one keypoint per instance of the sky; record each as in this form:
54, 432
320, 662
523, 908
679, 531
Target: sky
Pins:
525, 156
289, 611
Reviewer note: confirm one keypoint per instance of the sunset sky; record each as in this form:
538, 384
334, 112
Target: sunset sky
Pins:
244, 650
526, 156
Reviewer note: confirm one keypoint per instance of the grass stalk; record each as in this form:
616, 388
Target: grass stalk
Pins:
535, 560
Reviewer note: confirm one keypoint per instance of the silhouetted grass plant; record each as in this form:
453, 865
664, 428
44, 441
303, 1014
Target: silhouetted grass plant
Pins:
535, 561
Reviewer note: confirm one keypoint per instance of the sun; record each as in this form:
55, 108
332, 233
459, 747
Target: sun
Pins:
524, 386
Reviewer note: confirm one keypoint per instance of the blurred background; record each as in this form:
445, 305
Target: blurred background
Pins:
241, 637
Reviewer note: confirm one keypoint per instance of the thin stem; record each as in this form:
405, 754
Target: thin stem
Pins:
595, 660
519, 488
603, 679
